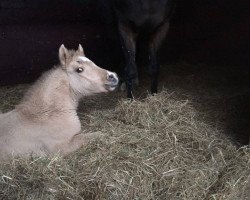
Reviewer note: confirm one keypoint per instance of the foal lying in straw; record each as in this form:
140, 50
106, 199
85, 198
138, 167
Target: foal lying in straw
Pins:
46, 122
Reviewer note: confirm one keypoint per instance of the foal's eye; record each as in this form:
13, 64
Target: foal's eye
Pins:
79, 70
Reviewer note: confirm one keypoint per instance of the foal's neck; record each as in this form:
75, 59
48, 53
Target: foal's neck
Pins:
50, 96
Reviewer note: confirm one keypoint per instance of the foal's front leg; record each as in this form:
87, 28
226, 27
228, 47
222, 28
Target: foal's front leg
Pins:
78, 141
128, 39
154, 44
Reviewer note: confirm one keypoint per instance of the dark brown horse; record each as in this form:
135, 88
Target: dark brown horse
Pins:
134, 18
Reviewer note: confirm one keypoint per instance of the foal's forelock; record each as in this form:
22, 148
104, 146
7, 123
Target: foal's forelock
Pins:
93, 66
84, 59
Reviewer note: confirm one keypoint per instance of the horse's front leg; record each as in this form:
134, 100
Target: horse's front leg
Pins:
154, 44
128, 39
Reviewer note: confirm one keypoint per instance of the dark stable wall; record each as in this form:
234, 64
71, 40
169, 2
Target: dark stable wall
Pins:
31, 31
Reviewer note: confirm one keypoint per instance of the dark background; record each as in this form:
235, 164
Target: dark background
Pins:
31, 31
214, 33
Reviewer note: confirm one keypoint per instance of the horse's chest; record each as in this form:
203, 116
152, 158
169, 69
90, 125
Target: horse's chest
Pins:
144, 17
149, 21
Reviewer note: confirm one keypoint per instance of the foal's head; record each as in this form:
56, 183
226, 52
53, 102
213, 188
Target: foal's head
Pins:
85, 77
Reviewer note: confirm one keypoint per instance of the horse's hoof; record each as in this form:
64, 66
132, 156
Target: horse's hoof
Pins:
129, 100
122, 87
136, 81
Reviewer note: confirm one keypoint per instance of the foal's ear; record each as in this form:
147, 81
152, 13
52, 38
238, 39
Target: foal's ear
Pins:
80, 49
63, 54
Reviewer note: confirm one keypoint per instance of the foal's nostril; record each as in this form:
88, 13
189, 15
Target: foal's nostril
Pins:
112, 78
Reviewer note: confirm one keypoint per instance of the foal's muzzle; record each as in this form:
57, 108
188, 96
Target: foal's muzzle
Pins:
112, 80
